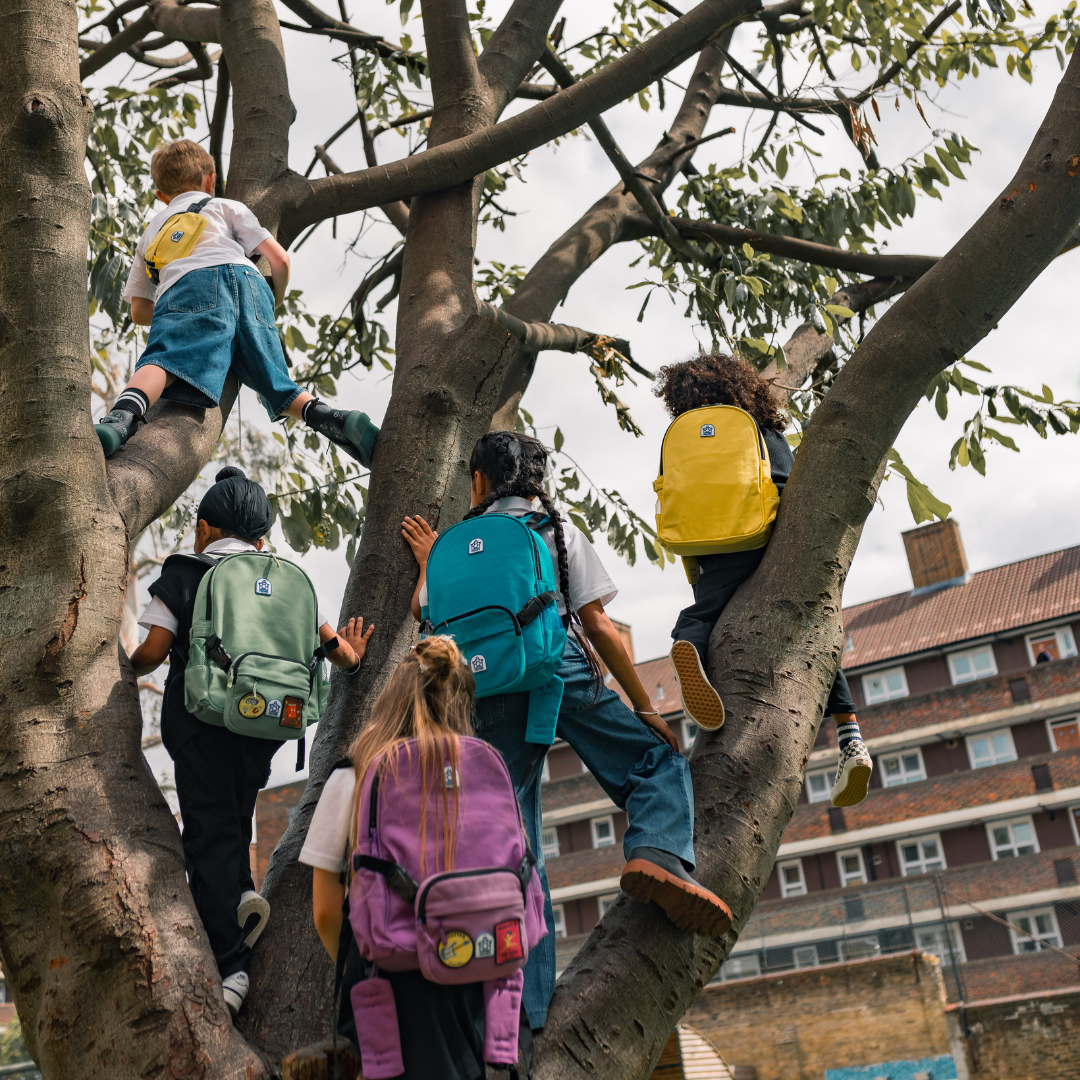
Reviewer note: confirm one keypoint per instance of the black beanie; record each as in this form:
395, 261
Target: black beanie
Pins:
237, 505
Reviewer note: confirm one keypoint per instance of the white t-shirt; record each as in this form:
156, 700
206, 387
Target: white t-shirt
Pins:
589, 580
157, 612
232, 233
328, 834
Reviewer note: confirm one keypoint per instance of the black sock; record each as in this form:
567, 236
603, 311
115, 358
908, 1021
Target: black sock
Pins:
133, 400
847, 732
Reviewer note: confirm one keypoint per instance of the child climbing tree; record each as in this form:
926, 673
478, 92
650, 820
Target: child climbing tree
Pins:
100, 942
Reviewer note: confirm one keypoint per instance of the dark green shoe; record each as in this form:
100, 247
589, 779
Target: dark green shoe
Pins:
352, 431
115, 428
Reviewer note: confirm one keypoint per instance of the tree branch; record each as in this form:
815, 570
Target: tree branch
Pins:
512, 50
112, 48
397, 212
320, 22
453, 163
217, 126
203, 70
186, 23
894, 69
456, 93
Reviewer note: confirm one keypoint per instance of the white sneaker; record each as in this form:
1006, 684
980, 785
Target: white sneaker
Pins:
700, 700
852, 775
251, 903
235, 989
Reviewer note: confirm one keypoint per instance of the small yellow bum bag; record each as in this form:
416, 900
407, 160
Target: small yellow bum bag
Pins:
715, 491
176, 239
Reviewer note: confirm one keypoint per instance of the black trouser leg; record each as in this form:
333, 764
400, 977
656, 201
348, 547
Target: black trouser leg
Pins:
218, 776
721, 576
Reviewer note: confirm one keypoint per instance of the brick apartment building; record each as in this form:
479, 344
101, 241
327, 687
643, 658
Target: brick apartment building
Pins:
966, 847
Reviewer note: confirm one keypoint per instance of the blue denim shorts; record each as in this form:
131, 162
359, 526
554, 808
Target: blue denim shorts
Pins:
210, 320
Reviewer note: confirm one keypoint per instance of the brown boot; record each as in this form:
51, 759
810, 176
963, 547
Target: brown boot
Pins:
652, 874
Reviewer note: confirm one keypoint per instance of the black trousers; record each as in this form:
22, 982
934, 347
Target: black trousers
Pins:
218, 776
721, 576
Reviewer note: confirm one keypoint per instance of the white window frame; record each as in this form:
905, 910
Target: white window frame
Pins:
1074, 813
952, 932
558, 915
846, 943
604, 902
594, 822
905, 778
805, 962
887, 694
845, 881
970, 741
1009, 823
798, 889
1051, 724
1066, 641
743, 966
968, 654
549, 851
1019, 939
830, 779
920, 840
690, 730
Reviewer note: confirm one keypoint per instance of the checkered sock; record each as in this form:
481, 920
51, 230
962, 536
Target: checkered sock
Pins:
846, 732
133, 400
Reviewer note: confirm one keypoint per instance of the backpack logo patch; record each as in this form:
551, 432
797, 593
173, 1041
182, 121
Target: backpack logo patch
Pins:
456, 949
485, 946
451, 778
264, 587
273, 708
292, 713
476, 546
478, 663
508, 941
177, 236
707, 431
252, 706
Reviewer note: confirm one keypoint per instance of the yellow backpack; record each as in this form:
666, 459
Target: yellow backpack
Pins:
715, 491
175, 239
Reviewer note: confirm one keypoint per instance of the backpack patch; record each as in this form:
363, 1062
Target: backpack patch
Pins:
508, 936
177, 236
273, 708
485, 946
456, 949
264, 587
476, 546
251, 706
707, 431
478, 663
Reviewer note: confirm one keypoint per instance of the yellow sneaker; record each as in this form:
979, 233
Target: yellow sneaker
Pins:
700, 700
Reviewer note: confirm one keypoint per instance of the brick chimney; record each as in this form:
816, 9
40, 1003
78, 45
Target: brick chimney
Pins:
936, 556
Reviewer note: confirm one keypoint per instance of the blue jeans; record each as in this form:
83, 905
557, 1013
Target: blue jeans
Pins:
639, 771
210, 320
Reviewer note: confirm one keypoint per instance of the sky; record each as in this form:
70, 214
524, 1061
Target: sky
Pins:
1025, 505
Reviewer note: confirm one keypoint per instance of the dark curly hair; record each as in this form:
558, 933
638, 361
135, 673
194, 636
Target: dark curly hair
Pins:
717, 379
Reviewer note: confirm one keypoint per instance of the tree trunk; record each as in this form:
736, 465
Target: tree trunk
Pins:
98, 933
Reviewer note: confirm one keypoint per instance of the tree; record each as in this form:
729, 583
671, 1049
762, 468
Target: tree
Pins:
101, 945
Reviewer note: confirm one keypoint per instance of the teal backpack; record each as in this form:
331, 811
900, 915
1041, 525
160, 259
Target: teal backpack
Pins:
255, 661
491, 587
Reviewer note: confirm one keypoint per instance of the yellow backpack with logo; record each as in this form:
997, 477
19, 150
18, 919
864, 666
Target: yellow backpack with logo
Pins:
715, 491
176, 239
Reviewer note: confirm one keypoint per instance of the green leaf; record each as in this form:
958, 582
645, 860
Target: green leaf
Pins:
558, 439
840, 311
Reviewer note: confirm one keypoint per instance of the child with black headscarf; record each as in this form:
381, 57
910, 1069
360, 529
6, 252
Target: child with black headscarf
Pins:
218, 772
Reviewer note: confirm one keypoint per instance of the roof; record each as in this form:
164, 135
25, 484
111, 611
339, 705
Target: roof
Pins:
1009, 597
658, 678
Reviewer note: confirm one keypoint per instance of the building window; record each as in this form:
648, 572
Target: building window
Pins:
603, 831
549, 843
819, 784
852, 868
689, 733
1065, 734
859, 948
991, 748
972, 664
1074, 819
905, 768
659, 695
1010, 839
741, 967
1032, 931
545, 772
920, 855
604, 902
559, 916
933, 940
884, 685
1059, 643
792, 881
805, 956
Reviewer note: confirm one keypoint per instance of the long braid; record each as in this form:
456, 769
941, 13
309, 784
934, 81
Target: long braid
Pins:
560, 549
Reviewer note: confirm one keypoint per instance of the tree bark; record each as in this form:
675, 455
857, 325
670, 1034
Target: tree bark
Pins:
775, 651
98, 932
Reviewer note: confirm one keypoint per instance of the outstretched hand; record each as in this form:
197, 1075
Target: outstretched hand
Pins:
353, 634
419, 535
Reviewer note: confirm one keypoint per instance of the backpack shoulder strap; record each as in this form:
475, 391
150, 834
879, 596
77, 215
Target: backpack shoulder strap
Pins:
196, 207
207, 560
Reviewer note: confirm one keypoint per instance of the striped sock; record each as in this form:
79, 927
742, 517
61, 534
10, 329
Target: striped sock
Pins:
846, 732
133, 400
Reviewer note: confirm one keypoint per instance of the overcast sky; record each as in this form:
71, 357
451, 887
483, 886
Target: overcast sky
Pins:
1025, 505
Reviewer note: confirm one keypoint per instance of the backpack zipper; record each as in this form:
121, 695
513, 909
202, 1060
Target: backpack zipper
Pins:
235, 665
487, 607
421, 909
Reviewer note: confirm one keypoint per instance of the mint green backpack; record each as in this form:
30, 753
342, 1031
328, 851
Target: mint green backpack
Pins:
255, 662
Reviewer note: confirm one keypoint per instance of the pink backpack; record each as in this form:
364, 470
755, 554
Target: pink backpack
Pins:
475, 922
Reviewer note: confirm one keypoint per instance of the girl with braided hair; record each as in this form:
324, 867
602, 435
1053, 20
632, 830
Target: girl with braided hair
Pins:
631, 752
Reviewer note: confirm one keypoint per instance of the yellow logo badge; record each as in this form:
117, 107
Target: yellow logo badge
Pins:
456, 949
252, 706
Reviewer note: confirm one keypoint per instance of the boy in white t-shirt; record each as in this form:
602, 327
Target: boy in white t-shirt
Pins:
211, 310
